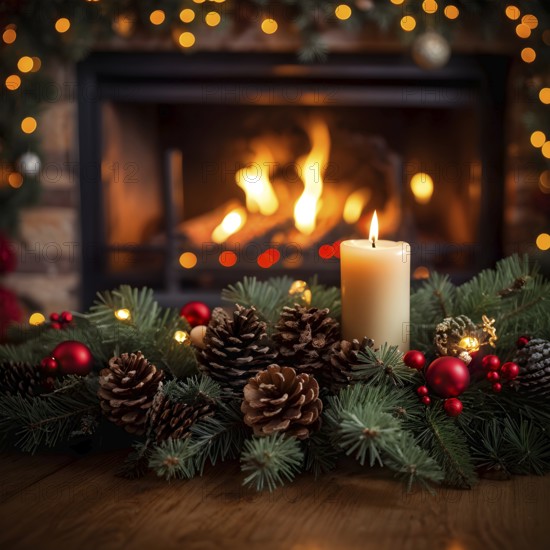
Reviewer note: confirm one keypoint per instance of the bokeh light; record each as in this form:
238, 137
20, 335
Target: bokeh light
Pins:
188, 260
62, 25
269, 26
36, 319
543, 241
187, 15
408, 23
28, 125
538, 138
157, 17
228, 258
342, 12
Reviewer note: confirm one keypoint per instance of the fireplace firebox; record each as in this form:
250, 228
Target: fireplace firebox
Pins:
197, 170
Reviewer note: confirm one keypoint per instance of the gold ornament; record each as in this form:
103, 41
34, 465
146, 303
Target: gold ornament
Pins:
197, 336
301, 291
490, 330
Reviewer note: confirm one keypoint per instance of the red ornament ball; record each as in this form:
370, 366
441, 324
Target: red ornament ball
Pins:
497, 388
522, 341
196, 313
414, 359
66, 317
55, 325
493, 376
448, 376
54, 317
510, 370
10, 311
453, 406
73, 358
422, 391
491, 362
49, 366
8, 258
426, 400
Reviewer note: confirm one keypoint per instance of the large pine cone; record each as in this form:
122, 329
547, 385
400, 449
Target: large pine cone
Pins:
343, 358
279, 400
305, 337
236, 348
20, 379
127, 389
173, 419
534, 365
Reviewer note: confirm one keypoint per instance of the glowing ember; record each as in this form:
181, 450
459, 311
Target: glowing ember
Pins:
313, 169
231, 223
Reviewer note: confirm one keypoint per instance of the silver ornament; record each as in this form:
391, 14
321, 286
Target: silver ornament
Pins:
29, 164
431, 51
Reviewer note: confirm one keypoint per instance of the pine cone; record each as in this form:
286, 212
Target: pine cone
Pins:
534, 365
127, 389
236, 348
173, 419
305, 337
279, 400
451, 332
343, 358
20, 379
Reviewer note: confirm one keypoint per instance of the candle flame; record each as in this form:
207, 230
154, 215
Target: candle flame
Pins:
373, 234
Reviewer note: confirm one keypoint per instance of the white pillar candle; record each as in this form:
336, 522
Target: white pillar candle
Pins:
376, 289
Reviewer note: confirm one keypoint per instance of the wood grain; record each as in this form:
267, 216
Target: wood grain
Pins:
61, 502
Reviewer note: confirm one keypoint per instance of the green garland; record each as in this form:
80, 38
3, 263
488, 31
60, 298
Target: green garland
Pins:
377, 419
101, 22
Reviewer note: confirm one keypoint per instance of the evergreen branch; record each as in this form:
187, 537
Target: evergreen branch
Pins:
174, 459
325, 297
196, 388
448, 446
270, 461
320, 455
529, 447
383, 365
136, 464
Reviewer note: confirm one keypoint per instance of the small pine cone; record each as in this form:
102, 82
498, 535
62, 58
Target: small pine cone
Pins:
236, 348
20, 379
343, 358
305, 337
534, 367
127, 389
279, 400
169, 419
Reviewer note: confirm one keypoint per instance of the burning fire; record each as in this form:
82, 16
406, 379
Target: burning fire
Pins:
355, 204
313, 169
254, 181
231, 223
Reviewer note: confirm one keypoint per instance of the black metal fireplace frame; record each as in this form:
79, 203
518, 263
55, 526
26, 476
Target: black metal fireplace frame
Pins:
376, 80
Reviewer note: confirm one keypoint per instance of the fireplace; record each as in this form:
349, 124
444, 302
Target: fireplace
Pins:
197, 170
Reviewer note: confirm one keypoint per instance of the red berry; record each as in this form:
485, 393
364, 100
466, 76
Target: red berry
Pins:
414, 359
54, 317
510, 370
453, 406
66, 317
493, 376
426, 400
522, 341
55, 325
49, 365
497, 388
422, 391
490, 362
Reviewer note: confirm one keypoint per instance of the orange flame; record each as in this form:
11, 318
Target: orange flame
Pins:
231, 223
255, 182
313, 170
373, 234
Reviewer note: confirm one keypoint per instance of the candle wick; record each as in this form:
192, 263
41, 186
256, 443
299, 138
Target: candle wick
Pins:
373, 242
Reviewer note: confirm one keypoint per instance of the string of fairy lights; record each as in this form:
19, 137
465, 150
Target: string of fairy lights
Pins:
182, 20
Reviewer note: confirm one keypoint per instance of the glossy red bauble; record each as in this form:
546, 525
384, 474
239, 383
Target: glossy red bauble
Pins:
414, 359
73, 358
522, 341
448, 376
497, 388
49, 366
196, 313
491, 362
453, 406
422, 391
510, 370
426, 400
54, 317
66, 317
493, 376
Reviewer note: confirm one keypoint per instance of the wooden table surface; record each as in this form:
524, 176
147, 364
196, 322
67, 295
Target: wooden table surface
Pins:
67, 502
